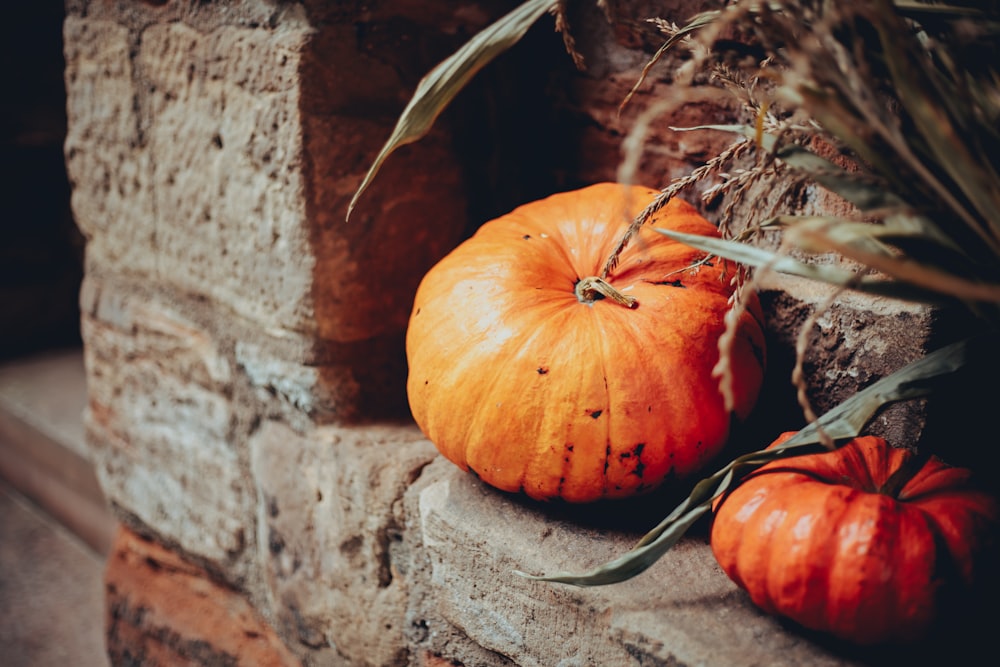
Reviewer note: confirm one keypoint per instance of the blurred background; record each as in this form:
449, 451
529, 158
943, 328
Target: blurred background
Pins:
51, 552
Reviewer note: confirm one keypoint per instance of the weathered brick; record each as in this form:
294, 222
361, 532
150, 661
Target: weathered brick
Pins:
220, 158
163, 610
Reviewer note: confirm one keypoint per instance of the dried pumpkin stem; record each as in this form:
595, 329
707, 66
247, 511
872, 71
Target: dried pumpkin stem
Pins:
894, 486
591, 289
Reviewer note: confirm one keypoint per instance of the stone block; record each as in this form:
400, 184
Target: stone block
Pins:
108, 169
163, 610
217, 153
221, 114
331, 537
855, 341
159, 422
681, 611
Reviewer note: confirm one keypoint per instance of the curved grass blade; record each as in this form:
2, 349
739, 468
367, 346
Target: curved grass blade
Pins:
749, 255
842, 423
439, 86
696, 23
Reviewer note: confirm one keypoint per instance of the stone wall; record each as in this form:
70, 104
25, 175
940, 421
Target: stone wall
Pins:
247, 413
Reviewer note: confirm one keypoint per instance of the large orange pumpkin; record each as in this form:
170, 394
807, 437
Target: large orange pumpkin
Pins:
520, 370
822, 540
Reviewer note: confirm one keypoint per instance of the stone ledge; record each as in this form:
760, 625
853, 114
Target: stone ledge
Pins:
42, 449
682, 611
380, 552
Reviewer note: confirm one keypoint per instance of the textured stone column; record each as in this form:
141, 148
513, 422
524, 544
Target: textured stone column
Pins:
212, 149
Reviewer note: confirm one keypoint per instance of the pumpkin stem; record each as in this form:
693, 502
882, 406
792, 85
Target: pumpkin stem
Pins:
591, 289
901, 477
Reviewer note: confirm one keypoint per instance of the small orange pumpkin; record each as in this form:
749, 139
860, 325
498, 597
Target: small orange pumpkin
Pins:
520, 370
818, 539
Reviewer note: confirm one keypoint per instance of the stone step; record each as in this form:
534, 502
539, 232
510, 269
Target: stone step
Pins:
42, 450
56, 529
52, 589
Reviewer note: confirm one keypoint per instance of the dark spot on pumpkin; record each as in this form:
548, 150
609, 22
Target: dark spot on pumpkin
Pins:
668, 283
569, 448
625, 455
595, 414
417, 312
542, 370
526, 237
640, 467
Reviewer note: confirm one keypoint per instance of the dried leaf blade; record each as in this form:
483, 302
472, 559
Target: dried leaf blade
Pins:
439, 86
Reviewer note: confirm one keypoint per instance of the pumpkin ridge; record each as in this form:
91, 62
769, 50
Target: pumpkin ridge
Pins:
595, 322
811, 587
859, 560
483, 435
559, 428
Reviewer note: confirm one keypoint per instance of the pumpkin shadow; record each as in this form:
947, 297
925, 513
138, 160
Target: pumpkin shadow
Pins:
963, 637
634, 515
638, 514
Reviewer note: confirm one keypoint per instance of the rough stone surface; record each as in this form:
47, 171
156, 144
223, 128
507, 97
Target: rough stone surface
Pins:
855, 341
111, 189
213, 150
158, 421
163, 610
682, 611
332, 537
219, 115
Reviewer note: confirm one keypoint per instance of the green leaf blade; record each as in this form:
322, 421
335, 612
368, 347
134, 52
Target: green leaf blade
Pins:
440, 86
